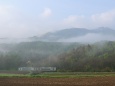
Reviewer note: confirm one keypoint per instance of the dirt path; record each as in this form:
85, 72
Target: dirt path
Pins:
90, 81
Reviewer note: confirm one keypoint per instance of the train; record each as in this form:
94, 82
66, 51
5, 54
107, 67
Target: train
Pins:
37, 69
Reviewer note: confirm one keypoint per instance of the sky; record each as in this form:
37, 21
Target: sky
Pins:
27, 18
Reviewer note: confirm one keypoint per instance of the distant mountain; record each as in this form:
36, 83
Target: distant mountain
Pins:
104, 30
67, 34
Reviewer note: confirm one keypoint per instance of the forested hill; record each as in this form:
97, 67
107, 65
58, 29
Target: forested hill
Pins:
99, 56
38, 47
15, 55
95, 57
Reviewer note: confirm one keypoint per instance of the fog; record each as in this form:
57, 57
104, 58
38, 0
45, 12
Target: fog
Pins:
60, 33
15, 40
90, 38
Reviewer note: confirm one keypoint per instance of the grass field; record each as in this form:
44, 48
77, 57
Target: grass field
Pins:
61, 74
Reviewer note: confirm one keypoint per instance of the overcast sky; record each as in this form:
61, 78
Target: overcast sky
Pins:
26, 18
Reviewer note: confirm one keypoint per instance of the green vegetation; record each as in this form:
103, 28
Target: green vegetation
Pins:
74, 74
62, 75
13, 56
67, 57
98, 57
12, 75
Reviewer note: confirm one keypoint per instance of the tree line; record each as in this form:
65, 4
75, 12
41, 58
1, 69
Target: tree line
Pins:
76, 58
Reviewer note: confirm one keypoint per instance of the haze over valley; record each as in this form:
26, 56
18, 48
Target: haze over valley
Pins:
71, 35
81, 35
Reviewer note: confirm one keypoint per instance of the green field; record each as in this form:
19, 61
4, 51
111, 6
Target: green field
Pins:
61, 74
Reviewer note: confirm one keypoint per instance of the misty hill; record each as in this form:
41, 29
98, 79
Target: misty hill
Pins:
66, 33
39, 53
104, 31
69, 35
99, 56
37, 47
79, 35
96, 57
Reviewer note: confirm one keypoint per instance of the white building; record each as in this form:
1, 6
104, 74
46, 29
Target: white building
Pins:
44, 69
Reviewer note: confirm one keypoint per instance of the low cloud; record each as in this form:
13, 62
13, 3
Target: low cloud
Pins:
14, 23
105, 19
89, 38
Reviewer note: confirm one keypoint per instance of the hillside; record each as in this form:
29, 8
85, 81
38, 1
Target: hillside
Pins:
15, 55
97, 57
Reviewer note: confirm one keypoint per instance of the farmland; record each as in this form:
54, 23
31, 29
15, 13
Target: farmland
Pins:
59, 79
